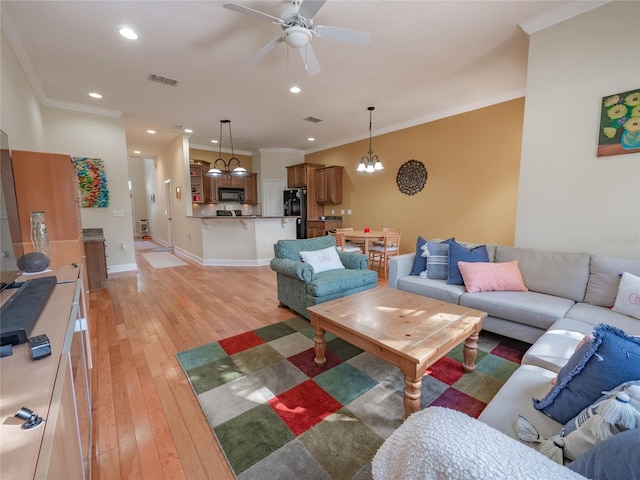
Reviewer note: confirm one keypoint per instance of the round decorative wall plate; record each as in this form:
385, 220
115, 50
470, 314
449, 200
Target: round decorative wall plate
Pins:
411, 177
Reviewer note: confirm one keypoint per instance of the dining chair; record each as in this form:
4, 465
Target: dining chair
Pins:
342, 243
379, 255
387, 230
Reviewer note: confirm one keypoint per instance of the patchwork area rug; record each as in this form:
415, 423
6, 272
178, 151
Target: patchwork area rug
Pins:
163, 260
277, 415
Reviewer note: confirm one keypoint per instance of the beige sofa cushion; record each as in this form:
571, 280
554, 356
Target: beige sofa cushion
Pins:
562, 274
605, 278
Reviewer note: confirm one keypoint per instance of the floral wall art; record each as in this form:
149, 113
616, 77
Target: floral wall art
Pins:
92, 180
620, 124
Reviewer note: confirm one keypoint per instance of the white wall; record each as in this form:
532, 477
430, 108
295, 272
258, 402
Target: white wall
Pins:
569, 199
32, 126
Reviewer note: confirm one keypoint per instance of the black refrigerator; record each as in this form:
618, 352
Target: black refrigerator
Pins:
295, 205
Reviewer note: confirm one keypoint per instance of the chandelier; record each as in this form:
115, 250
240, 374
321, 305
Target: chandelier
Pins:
370, 163
227, 168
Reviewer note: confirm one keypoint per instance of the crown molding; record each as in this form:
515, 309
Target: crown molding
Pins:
560, 14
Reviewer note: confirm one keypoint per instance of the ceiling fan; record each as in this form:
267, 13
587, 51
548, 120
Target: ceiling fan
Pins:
296, 21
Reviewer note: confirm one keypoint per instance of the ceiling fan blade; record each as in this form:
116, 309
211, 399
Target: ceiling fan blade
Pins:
310, 61
310, 7
343, 35
264, 50
252, 12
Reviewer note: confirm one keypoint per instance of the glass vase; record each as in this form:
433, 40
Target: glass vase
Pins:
39, 235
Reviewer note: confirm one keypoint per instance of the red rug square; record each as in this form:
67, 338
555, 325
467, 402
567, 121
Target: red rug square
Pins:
452, 398
446, 370
304, 406
241, 342
512, 350
305, 362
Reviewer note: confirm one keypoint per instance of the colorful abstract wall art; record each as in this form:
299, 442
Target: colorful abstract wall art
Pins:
92, 180
620, 124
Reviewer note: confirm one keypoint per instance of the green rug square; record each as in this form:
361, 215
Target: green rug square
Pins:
497, 367
457, 355
343, 350
297, 323
341, 444
199, 356
479, 385
275, 331
345, 383
250, 437
256, 358
213, 374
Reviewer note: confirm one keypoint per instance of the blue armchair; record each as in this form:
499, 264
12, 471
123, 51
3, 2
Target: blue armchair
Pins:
300, 287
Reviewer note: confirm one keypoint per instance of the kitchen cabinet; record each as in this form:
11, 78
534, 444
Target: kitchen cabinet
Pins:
47, 182
200, 186
302, 175
229, 181
329, 185
250, 185
318, 228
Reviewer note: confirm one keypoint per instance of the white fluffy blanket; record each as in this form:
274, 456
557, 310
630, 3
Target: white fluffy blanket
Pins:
442, 444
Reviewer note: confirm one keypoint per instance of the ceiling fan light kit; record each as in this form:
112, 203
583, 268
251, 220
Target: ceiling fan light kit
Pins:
296, 22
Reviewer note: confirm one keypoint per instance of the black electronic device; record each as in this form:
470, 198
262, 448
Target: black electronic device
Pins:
20, 313
40, 347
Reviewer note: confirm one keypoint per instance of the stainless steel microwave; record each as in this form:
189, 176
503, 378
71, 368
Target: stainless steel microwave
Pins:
231, 195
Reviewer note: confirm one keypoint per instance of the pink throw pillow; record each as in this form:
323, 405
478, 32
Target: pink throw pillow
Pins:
488, 276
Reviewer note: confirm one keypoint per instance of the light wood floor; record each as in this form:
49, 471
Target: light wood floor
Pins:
147, 423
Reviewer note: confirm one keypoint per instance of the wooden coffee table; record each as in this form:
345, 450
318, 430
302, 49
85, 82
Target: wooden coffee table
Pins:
407, 330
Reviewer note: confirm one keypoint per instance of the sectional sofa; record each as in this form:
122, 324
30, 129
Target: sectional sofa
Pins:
568, 295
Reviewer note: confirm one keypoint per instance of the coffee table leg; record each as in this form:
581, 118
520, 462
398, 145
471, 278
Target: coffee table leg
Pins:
470, 352
412, 395
319, 346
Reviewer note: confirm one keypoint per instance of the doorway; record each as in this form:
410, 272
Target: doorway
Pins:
168, 213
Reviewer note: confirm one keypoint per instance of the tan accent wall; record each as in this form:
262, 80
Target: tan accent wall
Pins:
473, 163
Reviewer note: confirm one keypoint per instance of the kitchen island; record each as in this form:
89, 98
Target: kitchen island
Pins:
243, 240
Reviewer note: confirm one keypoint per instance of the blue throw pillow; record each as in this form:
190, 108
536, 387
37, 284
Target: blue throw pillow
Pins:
610, 359
615, 458
457, 253
438, 260
419, 262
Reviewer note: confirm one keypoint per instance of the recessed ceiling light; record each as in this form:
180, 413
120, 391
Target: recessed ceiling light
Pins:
311, 139
295, 89
95, 95
126, 32
214, 141
152, 132
188, 130
137, 152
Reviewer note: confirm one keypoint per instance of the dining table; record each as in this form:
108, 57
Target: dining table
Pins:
364, 237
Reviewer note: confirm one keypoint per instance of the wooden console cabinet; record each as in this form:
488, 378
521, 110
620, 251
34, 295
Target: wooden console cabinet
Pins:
318, 228
57, 388
96, 257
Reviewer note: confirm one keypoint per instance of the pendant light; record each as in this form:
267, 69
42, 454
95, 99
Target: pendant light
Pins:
220, 167
370, 163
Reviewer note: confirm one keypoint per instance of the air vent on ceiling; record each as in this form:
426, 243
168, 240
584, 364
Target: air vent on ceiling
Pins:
178, 127
163, 80
312, 119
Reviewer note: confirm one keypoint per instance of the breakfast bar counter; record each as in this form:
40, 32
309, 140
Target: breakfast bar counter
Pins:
243, 240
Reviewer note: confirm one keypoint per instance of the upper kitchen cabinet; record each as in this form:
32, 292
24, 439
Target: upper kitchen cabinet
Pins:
200, 184
250, 184
329, 185
301, 175
229, 181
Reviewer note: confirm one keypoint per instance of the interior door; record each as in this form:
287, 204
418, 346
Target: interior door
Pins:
168, 212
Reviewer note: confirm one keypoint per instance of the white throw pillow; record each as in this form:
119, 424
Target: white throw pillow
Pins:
322, 260
628, 299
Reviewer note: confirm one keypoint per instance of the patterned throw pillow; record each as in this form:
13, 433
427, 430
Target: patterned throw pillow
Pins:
322, 260
628, 298
437, 255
